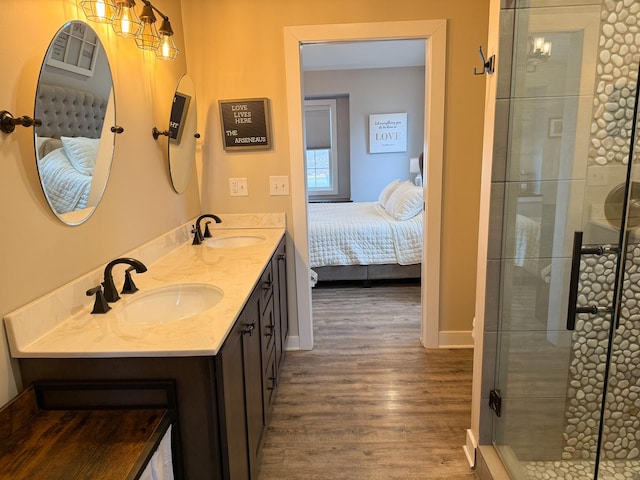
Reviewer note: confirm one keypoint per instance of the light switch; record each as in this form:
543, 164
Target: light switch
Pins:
279, 185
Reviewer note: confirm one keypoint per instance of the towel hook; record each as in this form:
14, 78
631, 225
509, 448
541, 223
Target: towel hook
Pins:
8, 122
487, 65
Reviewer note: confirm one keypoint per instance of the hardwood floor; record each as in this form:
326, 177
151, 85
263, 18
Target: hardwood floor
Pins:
369, 402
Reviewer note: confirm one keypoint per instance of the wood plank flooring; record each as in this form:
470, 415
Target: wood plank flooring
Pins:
369, 402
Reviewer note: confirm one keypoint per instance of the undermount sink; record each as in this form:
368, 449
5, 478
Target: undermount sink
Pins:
169, 303
234, 241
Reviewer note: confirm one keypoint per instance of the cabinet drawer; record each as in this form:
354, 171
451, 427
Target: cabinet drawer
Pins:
266, 287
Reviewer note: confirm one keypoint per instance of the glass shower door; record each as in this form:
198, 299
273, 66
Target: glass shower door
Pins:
572, 106
619, 434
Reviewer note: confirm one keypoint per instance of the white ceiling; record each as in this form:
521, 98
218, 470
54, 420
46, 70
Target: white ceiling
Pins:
365, 54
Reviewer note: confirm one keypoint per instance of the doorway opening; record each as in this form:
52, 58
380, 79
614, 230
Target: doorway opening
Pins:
434, 33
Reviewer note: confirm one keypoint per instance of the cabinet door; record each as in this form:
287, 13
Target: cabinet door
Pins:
282, 313
230, 379
252, 362
269, 377
240, 376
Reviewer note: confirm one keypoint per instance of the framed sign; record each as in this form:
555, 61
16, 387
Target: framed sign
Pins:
387, 133
245, 124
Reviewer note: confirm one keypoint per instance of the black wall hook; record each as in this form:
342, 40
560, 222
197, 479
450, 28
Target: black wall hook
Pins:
487, 65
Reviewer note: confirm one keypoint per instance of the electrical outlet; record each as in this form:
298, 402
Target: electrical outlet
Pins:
238, 187
279, 185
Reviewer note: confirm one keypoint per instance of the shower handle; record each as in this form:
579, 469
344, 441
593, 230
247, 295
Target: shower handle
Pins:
573, 283
578, 251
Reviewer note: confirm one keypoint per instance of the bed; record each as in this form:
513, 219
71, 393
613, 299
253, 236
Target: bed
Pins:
67, 144
368, 240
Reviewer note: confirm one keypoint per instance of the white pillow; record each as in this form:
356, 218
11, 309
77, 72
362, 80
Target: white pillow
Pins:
387, 191
81, 152
405, 202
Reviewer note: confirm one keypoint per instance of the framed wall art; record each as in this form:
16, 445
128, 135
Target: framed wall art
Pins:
388, 132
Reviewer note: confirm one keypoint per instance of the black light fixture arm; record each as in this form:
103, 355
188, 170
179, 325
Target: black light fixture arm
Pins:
165, 26
8, 122
149, 4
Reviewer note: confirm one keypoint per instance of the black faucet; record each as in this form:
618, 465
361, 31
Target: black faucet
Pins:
100, 305
197, 231
110, 292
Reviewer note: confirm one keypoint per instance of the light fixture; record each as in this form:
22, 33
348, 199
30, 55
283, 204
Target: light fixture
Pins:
148, 37
539, 49
99, 11
125, 21
167, 49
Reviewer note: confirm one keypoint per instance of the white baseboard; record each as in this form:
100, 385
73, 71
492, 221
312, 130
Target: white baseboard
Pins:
293, 342
456, 339
470, 448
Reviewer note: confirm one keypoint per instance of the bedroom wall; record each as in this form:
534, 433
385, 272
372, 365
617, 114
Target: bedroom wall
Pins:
99, 82
237, 51
38, 252
377, 90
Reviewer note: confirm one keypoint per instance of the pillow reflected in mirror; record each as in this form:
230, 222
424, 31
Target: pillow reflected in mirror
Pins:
82, 153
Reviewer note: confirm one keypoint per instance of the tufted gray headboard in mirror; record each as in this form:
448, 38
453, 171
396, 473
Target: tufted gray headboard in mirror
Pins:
69, 112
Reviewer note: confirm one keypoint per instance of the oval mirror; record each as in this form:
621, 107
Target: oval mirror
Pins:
183, 132
74, 145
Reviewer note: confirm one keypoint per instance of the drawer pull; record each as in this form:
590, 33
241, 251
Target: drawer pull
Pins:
269, 332
249, 329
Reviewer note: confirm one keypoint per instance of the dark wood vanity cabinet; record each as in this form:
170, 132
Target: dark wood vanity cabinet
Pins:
224, 401
252, 353
239, 386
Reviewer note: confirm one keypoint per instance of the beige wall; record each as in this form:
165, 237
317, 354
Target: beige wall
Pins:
39, 253
236, 50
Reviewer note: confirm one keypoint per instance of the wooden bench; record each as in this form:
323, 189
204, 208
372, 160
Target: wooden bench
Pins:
63, 431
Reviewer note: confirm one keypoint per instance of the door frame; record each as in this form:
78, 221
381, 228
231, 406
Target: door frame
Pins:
434, 32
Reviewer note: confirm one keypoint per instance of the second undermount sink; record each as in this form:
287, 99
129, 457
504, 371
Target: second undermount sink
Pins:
234, 241
168, 303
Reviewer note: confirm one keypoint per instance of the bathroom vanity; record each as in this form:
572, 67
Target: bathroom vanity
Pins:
224, 362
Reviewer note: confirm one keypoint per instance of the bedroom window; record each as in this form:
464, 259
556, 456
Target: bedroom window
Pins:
321, 146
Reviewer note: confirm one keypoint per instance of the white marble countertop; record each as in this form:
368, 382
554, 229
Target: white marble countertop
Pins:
235, 271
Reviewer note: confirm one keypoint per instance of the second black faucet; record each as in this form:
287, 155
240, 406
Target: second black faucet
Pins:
197, 230
110, 291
